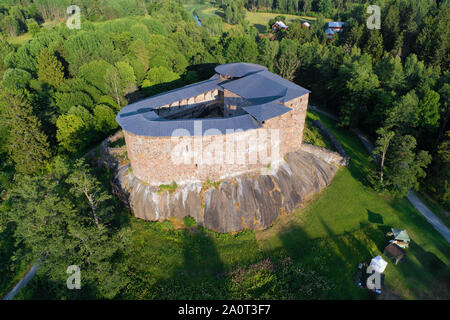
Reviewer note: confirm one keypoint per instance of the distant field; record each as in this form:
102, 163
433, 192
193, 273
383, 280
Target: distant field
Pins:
261, 19
19, 40
257, 19
264, 17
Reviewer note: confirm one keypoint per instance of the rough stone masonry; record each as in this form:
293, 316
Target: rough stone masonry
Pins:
245, 194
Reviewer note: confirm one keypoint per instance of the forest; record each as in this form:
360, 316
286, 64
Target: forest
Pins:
61, 89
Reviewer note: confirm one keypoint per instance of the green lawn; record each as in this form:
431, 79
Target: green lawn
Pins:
312, 135
19, 40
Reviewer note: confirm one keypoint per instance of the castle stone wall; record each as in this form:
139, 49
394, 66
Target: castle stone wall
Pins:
162, 160
191, 103
291, 124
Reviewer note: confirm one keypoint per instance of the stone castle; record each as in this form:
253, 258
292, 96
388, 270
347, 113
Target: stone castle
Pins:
243, 105
172, 137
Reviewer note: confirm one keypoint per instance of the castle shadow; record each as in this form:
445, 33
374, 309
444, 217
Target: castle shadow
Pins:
201, 275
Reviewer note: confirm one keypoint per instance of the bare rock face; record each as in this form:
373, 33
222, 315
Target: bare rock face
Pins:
248, 201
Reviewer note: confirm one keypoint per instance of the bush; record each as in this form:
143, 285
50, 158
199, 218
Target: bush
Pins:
189, 221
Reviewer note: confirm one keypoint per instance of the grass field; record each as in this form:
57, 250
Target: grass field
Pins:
261, 19
19, 40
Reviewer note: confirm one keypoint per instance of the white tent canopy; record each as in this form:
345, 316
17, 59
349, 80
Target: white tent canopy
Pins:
378, 264
281, 24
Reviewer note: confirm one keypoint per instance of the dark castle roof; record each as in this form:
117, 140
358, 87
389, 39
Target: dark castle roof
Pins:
266, 91
238, 70
264, 86
263, 112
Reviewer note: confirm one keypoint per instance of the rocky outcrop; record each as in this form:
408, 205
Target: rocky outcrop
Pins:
249, 201
325, 154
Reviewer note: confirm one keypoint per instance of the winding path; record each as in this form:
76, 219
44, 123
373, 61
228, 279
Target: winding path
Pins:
411, 196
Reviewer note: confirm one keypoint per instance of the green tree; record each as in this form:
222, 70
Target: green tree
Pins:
432, 44
374, 44
71, 132
16, 79
392, 35
241, 49
405, 165
159, 77
83, 184
324, 6
268, 51
118, 79
5, 50
50, 70
381, 147
429, 110
390, 73
105, 119
33, 27
55, 222
288, 61
443, 170
27, 144
361, 85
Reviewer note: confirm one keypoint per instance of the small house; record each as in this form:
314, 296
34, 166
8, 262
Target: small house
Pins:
394, 252
333, 27
401, 237
279, 25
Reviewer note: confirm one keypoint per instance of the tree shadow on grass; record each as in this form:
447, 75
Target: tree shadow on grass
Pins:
428, 259
374, 217
200, 274
261, 28
334, 257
